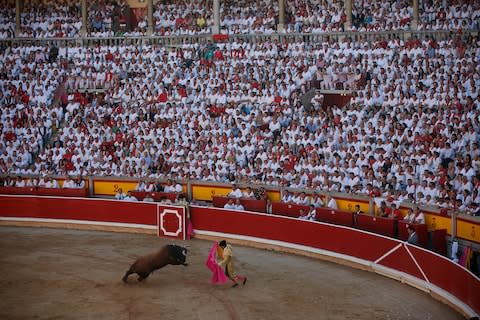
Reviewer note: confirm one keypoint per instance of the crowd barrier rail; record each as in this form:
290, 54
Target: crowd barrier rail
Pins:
425, 270
178, 40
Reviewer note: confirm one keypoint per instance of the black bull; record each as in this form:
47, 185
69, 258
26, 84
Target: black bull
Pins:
168, 254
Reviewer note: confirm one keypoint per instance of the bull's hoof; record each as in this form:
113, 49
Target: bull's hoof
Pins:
185, 264
124, 280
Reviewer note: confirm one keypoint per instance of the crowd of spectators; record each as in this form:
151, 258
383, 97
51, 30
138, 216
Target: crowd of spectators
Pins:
233, 112
46, 18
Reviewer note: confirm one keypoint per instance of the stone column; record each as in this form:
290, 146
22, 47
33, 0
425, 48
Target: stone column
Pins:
415, 15
216, 17
281, 15
83, 31
150, 17
348, 14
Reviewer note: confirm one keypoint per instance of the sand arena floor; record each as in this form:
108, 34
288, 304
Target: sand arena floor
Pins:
72, 274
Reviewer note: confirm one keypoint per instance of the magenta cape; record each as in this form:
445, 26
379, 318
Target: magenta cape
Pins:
218, 276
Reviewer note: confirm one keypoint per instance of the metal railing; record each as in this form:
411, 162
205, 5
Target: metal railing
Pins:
178, 40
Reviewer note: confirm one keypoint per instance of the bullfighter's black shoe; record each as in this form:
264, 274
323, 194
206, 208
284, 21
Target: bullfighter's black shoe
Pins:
235, 285
244, 280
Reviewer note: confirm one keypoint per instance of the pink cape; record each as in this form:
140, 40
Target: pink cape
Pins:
190, 232
218, 276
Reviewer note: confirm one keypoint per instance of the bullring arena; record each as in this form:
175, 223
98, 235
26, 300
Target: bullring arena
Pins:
71, 274
334, 143
66, 273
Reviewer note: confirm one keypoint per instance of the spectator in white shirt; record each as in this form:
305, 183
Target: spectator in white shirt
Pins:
19, 182
178, 187
68, 183
311, 215
238, 205
230, 204
248, 193
130, 197
120, 195
169, 187
236, 192
332, 203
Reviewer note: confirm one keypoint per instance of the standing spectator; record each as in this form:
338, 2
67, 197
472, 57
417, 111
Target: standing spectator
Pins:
412, 235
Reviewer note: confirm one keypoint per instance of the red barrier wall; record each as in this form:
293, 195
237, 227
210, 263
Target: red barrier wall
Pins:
288, 209
249, 204
374, 250
394, 254
334, 216
79, 209
157, 195
58, 192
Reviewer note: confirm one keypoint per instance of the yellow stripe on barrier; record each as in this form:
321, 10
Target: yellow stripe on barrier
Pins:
435, 222
349, 205
468, 230
206, 193
109, 188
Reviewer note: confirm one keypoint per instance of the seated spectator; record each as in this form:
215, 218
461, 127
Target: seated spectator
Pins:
169, 187
68, 183
165, 200
310, 215
182, 200
178, 187
419, 216
141, 185
236, 192
148, 198
248, 193
19, 182
286, 196
130, 196
410, 216
33, 182
238, 205
383, 210
302, 199
316, 200
394, 212
332, 203
120, 195
49, 182
149, 186
9, 182
230, 204
79, 183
